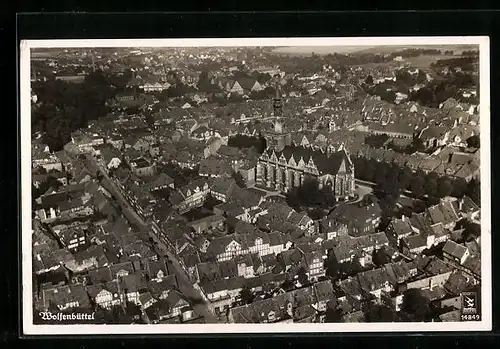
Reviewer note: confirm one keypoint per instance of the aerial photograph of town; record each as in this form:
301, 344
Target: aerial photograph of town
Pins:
229, 185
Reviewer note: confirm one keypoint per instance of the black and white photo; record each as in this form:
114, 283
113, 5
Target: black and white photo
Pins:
256, 185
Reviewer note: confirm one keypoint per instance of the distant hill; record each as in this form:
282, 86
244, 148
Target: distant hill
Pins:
389, 49
320, 50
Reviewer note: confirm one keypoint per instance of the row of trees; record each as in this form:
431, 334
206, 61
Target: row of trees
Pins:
392, 179
245, 142
404, 76
439, 90
262, 78
470, 53
465, 63
415, 52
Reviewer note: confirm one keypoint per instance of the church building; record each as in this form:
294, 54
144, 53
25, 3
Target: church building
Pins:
283, 166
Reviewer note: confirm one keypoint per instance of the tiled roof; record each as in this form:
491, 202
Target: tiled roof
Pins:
111, 286
133, 283
63, 295
454, 249
402, 227
415, 241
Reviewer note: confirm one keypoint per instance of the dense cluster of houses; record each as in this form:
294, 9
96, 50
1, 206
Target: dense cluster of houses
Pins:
229, 251
103, 264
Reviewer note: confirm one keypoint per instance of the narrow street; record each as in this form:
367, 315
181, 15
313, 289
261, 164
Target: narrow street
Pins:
199, 305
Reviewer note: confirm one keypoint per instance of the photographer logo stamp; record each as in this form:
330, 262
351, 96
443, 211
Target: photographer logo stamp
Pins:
470, 308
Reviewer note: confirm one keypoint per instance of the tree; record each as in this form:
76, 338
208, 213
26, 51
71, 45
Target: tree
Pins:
65, 107
316, 213
269, 91
369, 80
380, 174
243, 141
471, 231
50, 182
331, 266
333, 314
444, 187
239, 179
404, 178
263, 78
380, 313
376, 141
359, 165
392, 186
380, 257
247, 295
369, 170
421, 77
417, 186
474, 190
287, 285
417, 145
473, 141
459, 187
388, 205
431, 185
261, 145
416, 305
302, 275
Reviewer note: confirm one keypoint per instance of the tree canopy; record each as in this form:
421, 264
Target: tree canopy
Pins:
66, 107
416, 305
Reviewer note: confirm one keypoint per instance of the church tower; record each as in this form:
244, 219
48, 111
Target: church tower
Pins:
278, 108
278, 138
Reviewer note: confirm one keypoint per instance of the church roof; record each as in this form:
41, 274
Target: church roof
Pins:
325, 163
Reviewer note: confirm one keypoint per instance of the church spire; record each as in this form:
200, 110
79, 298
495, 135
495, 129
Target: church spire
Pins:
278, 106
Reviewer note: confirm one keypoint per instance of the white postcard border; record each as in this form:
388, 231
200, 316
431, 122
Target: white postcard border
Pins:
82, 329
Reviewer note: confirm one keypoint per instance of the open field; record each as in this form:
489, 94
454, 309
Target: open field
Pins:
423, 62
319, 50
324, 50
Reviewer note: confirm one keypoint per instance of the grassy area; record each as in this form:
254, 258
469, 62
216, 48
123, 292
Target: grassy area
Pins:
378, 65
423, 62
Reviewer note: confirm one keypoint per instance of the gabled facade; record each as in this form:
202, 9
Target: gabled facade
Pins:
291, 167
